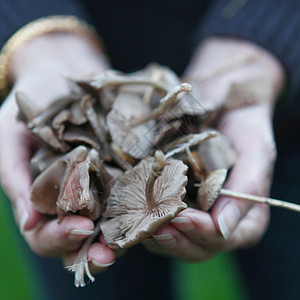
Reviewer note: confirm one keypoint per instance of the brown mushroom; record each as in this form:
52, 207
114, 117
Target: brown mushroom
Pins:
133, 140
72, 115
80, 266
77, 190
66, 186
217, 153
97, 123
210, 188
27, 109
144, 199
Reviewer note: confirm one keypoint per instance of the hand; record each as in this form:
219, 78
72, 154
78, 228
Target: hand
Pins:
37, 70
195, 235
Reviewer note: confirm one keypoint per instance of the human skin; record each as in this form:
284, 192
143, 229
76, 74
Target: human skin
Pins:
194, 235
232, 223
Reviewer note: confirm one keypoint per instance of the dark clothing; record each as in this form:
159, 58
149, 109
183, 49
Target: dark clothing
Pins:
165, 31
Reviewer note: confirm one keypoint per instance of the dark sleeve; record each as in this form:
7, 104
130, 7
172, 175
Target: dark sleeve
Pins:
274, 25
16, 13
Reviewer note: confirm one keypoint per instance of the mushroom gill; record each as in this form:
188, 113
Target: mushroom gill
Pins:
144, 199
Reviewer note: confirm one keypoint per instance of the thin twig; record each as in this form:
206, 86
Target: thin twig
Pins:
270, 201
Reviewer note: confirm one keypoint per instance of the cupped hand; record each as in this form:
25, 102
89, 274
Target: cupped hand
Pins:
38, 71
196, 235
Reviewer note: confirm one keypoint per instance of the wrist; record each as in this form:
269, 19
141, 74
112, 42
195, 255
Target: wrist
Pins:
216, 52
61, 52
50, 43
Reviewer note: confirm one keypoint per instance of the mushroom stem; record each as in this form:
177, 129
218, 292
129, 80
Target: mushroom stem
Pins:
193, 141
156, 76
164, 104
269, 201
80, 266
157, 168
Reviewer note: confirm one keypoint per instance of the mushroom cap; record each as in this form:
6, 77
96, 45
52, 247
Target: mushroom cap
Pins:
209, 190
45, 188
132, 220
187, 105
69, 185
27, 109
133, 140
85, 171
217, 153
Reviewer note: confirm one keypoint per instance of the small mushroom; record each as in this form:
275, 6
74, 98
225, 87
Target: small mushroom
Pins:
184, 143
144, 199
73, 116
42, 159
97, 124
80, 266
81, 135
85, 187
47, 135
133, 140
27, 109
164, 104
67, 185
217, 153
210, 188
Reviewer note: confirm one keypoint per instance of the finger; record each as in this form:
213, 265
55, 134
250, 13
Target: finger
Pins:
199, 227
15, 152
252, 171
252, 227
54, 239
176, 244
100, 257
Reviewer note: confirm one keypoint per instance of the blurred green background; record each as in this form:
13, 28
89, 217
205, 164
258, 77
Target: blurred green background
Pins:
217, 279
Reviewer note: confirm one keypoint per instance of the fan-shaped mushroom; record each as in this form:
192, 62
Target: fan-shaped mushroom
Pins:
144, 199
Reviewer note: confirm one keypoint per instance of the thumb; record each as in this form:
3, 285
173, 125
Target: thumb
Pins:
15, 152
228, 212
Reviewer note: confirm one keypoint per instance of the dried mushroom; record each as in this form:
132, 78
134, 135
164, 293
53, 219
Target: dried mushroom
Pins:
102, 149
144, 199
67, 185
136, 141
209, 189
217, 153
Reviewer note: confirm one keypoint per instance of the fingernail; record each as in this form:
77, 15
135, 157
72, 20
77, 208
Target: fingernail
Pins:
228, 219
95, 263
181, 220
79, 234
166, 240
23, 221
163, 237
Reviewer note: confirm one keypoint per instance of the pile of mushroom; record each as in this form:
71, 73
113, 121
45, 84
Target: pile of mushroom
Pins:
118, 150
